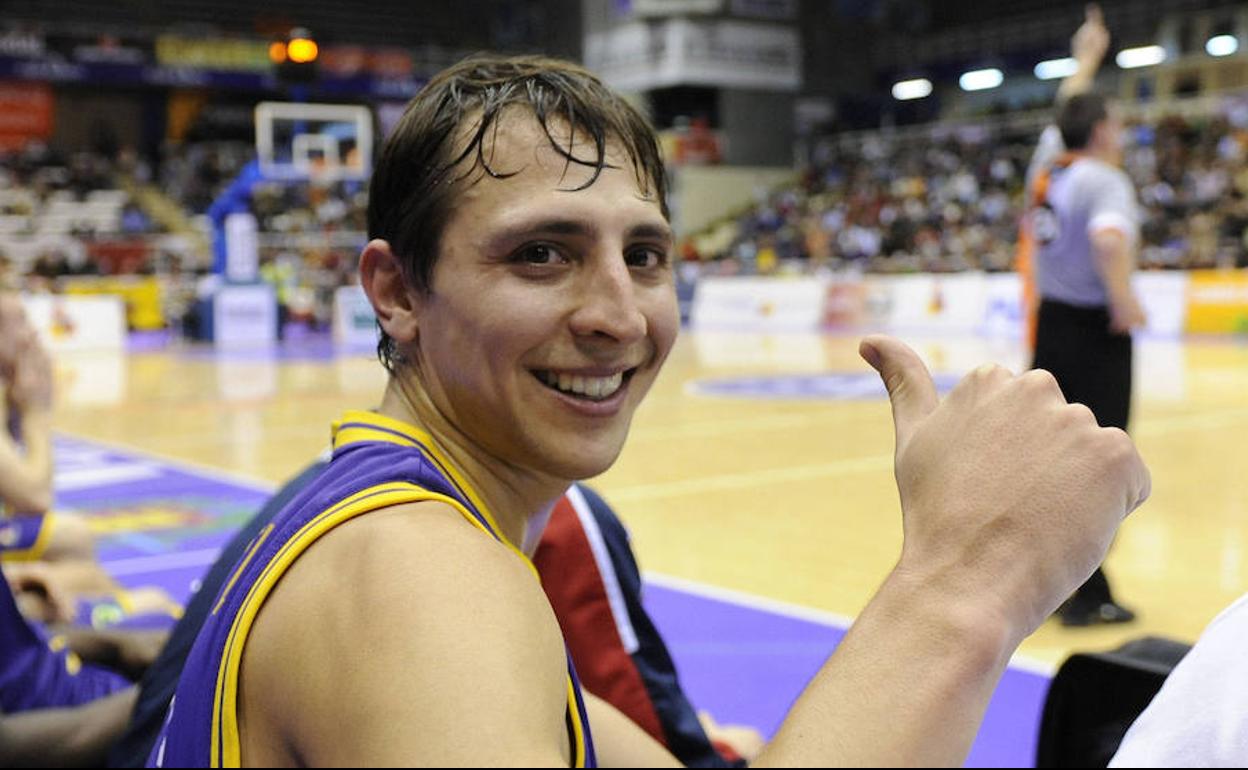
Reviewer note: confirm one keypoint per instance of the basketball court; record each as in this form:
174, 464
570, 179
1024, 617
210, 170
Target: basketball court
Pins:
756, 483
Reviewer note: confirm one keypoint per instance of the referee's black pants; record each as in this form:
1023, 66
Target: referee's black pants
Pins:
1092, 364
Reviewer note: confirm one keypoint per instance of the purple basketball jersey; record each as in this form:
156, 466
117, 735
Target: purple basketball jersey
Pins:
378, 462
37, 672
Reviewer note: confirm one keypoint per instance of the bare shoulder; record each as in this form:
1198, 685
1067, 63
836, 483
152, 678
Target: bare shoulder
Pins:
408, 620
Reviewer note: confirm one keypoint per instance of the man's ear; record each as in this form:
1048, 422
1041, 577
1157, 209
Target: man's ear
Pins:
395, 303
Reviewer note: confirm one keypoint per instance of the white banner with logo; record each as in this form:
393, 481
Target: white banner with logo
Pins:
758, 304
244, 316
708, 52
74, 323
355, 324
988, 304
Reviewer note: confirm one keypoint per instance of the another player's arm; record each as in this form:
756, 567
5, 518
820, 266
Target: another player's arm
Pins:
406, 638
65, 737
128, 651
26, 471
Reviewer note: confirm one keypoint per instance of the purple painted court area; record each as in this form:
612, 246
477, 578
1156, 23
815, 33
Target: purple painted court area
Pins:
747, 665
163, 524
156, 523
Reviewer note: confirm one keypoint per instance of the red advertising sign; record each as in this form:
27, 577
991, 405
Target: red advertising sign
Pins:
26, 112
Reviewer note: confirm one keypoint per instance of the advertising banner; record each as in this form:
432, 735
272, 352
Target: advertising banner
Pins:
78, 323
355, 324
1217, 302
759, 304
26, 113
244, 317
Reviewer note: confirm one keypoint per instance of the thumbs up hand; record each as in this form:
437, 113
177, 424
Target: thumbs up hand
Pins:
1010, 496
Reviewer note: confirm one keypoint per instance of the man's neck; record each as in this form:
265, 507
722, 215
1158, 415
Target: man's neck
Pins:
519, 499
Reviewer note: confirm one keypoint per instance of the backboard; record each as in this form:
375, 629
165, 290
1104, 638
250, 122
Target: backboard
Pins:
321, 142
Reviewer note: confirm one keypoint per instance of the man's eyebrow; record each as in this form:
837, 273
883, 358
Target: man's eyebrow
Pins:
553, 226
576, 228
651, 232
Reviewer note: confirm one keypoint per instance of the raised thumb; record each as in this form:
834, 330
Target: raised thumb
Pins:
909, 384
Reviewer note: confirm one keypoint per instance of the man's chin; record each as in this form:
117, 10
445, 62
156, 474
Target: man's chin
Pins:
580, 463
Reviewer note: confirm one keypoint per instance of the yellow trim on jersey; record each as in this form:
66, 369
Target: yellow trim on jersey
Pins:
73, 664
578, 730
122, 597
251, 551
37, 549
225, 748
379, 427
225, 704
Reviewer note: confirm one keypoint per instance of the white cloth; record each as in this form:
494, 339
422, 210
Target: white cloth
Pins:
1200, 717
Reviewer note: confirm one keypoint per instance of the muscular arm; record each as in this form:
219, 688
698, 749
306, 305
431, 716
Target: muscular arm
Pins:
406, 637
66, 737
907, 686
1009, 498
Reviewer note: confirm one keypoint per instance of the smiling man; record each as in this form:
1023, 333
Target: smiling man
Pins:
520, 269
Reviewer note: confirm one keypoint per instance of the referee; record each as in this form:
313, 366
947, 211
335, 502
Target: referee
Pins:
1084, 220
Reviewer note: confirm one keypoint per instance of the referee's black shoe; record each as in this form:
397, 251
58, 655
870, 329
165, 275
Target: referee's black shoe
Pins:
1076, 614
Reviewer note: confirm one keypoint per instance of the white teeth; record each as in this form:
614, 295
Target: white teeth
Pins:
596, 388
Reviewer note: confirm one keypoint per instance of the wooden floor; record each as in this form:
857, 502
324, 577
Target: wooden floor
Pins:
789, 499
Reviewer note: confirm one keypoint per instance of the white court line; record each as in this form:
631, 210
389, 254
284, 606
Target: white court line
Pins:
215, 474
88, 478
799, 612
161, 562
752, 479
720, 427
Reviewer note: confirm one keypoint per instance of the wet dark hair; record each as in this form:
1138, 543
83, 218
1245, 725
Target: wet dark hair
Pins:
1078, 117
421, 170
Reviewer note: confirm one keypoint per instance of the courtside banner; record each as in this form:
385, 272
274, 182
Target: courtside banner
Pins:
759, 304
1198, 301
1217, 302
78, 323
244, 317
1163, 294
355, 323
1003, 306
924, 301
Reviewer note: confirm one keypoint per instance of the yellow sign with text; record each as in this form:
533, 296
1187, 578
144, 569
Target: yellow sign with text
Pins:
142, 295
1217, 302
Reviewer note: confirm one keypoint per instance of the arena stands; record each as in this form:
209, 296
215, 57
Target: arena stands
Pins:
948, 197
